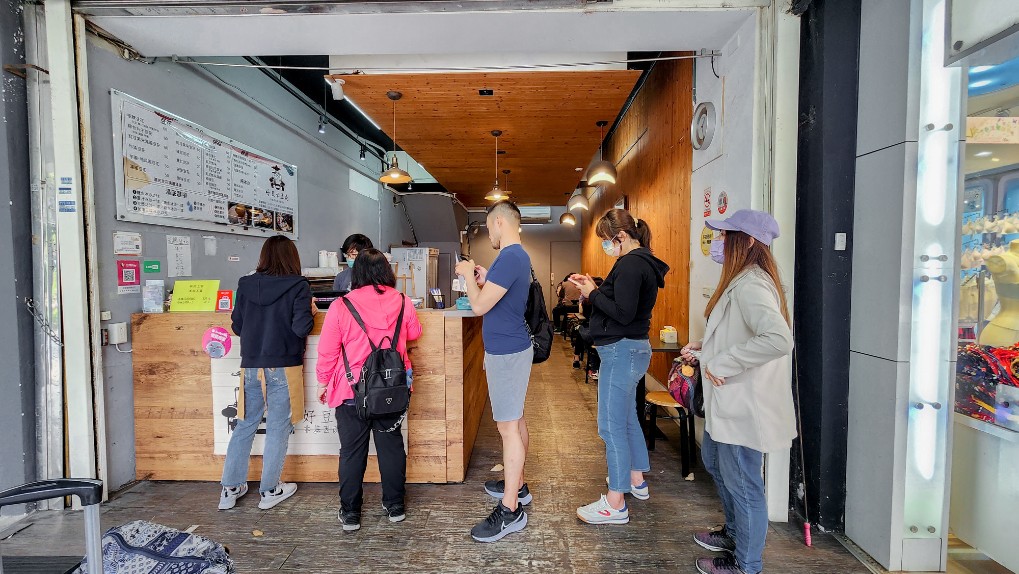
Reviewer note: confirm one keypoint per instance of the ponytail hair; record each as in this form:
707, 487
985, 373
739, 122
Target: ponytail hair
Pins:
616, 220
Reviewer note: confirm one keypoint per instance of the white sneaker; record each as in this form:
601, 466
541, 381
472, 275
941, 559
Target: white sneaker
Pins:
601, 512
228, 497
641, 492
283, 491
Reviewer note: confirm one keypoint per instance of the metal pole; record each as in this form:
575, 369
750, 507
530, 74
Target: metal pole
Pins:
93, 540
71, 234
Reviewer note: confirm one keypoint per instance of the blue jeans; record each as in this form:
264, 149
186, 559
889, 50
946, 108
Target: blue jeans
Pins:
278, 429
622, 365
737, 474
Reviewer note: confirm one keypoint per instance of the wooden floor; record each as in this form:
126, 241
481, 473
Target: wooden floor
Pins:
566, 469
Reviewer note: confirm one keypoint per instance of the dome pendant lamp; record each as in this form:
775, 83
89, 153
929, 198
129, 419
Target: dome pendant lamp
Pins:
497, 194
568, 219
578, 200
394, 174
602, 172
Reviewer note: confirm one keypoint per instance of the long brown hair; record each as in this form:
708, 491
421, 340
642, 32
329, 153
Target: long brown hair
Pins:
279, 257
616, 220
739, 255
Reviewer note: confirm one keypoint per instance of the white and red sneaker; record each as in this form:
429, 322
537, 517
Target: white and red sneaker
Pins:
601, 512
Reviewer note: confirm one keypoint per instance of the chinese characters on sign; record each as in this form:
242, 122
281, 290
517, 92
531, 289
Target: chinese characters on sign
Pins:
179, 170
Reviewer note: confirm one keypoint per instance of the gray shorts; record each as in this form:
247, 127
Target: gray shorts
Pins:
508, 376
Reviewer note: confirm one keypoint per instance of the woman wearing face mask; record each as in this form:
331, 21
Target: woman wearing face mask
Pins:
352, 245
620, 321
749, 404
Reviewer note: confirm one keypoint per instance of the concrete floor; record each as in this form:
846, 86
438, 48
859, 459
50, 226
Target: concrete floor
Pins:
566, 469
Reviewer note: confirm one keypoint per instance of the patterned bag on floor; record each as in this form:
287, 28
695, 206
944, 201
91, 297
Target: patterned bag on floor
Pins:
142, 547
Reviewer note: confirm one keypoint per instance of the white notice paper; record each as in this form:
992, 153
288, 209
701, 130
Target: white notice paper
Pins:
210, 245
178, 256
127, 243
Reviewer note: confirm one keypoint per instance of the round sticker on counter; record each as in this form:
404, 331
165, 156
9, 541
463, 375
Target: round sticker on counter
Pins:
216, 342
707, 236
723, 202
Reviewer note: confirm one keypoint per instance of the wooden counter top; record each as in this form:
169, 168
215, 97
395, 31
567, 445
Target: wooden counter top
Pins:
174, 415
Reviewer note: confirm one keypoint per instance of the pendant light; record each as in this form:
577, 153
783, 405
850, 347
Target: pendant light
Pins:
568, 219
497, 193
578, 200
602, 171
394, 174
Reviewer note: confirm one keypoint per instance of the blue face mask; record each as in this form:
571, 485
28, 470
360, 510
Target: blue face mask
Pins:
718, 250
350, 263
610, 248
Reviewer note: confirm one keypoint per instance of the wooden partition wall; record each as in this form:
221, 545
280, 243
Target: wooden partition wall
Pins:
653, 156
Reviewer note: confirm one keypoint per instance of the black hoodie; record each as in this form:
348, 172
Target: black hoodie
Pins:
272, 316
623, 303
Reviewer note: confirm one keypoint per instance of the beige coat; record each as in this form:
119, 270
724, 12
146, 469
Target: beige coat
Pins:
749, 343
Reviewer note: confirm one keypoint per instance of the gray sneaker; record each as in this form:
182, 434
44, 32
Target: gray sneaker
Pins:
716, 541
283, 491
723, 565
228, 497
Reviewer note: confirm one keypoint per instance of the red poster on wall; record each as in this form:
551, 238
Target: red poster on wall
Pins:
129, 276
707, 202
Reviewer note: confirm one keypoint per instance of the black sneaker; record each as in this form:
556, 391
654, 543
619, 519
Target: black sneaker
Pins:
576, 364
496, 488
395, 512
501, 522
350, 519
723, 565
716, 541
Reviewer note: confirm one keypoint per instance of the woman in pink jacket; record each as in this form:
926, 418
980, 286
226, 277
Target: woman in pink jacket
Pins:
374, 296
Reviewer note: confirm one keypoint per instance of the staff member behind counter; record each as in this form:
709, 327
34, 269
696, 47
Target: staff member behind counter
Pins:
352, 245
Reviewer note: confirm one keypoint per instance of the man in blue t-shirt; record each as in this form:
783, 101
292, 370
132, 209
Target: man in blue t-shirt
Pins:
500, 295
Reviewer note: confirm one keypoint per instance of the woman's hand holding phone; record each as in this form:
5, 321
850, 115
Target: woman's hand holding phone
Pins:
583, 282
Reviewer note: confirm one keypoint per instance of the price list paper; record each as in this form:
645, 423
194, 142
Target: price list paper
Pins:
178, 173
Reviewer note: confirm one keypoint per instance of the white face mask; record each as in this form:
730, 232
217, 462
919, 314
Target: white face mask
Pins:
611, 248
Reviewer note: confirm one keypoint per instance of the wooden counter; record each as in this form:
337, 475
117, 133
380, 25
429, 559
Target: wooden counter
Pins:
174, 416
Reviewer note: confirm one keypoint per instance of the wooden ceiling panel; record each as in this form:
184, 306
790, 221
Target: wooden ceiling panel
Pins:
547, 118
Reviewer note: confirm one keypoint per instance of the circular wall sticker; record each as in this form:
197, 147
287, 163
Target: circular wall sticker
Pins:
723, 203
702, 128
216, 342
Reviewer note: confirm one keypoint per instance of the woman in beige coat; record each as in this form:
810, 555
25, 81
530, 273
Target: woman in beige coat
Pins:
745, 364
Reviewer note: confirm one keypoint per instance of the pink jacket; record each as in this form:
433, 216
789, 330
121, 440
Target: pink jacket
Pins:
379, 312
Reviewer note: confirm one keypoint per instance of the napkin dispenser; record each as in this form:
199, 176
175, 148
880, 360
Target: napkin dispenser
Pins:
669, 335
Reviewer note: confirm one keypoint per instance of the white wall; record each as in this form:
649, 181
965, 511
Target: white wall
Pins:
726, 164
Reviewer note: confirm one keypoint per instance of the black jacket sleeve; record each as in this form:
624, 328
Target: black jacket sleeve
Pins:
626, 284
237, 316
303, 321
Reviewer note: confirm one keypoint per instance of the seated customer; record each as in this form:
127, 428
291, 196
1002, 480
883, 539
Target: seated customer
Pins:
376, 300
569, 295
351, 247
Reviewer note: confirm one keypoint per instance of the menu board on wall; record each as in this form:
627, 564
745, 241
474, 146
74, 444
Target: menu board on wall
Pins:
171, 171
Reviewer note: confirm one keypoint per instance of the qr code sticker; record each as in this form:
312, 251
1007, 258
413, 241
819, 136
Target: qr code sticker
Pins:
129, 276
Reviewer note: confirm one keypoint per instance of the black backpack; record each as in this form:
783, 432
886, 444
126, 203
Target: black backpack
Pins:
382, 390
536, 319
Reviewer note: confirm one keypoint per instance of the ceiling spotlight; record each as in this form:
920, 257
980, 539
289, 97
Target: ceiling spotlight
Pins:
982, 154
578, 169
995, 159
602, 171
321, 124
364, 152
568, 219
336, 86
578, 201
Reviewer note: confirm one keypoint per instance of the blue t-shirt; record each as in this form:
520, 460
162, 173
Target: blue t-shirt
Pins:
504, 330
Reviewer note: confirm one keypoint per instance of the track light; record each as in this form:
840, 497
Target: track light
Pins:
364, 152
321, 124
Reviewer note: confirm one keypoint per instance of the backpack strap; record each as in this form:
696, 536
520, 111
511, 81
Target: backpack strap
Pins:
399, 322
343, 349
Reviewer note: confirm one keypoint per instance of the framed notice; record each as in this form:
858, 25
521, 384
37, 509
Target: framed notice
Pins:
173, 172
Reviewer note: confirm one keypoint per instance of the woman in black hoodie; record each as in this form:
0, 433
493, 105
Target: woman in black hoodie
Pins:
620, 321
273, 317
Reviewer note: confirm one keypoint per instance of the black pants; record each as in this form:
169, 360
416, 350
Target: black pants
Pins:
354, 433
559, 312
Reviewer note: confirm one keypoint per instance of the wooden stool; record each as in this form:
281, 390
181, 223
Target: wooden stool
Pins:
687, 443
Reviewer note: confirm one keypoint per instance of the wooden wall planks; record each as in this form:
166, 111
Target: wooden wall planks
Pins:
173, 402
654, 158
